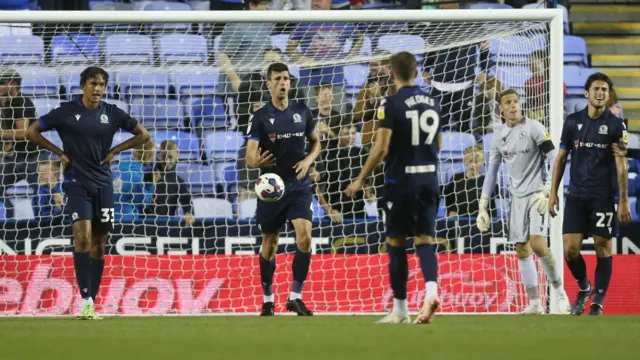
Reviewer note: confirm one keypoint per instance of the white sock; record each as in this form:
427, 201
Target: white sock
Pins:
431, 289
267, 298
529, 276
86, 301
400, 307
294, 296
535, 302
549, 267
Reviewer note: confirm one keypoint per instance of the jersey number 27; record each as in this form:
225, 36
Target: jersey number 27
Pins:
420, 123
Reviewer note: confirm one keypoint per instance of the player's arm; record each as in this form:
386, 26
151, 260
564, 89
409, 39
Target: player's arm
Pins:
621, 149
622, 169
302, 167
254, 157
545, 145
378, 153
489, 184
22, 116
566, 140
47, 122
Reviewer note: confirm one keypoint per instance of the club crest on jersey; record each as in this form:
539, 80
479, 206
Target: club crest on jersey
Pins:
625, 137
603, 130
272, 137
522, 135
104, 119
297, 118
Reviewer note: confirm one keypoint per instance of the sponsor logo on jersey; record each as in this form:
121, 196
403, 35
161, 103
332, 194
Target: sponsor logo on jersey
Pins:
297, 118
272, 137
524, 151
593, 145
104, 119
604, 129
288, 135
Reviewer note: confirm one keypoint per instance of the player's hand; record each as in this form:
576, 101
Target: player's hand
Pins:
58, 200
620, 149
188, 219
624, 212
301, 168
541, 200
335, 216
265, 159
353, 188
483, 221
64, 159
107, 160
554, 204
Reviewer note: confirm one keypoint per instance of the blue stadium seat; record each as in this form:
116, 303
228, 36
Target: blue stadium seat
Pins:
223, 145
502, 208
355, 77
53, 137
75, 48
158, 112
542, 5
448, 169
120, 137
70, 79
516, 48
200, 5
199, 178
634, 141
195, 80
247, 208
402, 42
454, 143
142, 83
208, 207
490, 6
318, 211
576, 104
121, 104
365, 50
230, 177
109, 5
513, 76
575, 77
575, 51
486, 141
188, 143
167, 6
182, 48
39, 81
280, 41
129, 48
44, 105
207, 112
21, 49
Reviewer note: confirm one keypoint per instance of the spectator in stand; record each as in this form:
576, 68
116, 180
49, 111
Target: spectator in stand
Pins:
242, 48
290, 5
328, 121
48, 200
613, 105
18, 157
171, 192
535, 88
462, 193
486, 110
131, 192
320, 42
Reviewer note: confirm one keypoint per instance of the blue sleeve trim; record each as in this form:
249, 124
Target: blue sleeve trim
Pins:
312, 131
563, 147
254, 138
43, 127
389, 181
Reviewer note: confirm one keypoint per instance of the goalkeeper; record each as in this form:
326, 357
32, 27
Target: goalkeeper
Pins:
526, 148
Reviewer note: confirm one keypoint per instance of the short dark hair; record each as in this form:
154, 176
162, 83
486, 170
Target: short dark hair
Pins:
254, 2
507, 92
10, 75
598, 77
272, 49
276, 67
323, 85
403, 66
93, 71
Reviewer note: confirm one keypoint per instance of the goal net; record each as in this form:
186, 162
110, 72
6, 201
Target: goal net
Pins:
189, 244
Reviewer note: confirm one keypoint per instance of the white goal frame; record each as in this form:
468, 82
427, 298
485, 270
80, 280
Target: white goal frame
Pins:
553, 16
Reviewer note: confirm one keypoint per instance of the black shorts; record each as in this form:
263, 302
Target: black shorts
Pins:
295, 205
596, 216
412, 210
87, 203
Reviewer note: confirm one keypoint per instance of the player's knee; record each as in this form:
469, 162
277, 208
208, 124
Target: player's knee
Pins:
571, 252
303, 241
523, 250
81, 236
602, 246
539, 245
269, 245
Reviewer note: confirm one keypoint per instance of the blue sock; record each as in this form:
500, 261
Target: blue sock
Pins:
267, 269
398, 271
579, 271
82, 264
97, 268
428, 262
300, 269
603, 276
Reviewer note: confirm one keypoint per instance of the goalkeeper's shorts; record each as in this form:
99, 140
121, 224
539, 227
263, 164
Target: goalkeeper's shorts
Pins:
525, 220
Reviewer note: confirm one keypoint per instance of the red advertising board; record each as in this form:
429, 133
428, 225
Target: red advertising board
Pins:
146, 285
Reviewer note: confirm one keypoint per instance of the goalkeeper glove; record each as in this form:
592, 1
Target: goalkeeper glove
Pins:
483, 221
541, 199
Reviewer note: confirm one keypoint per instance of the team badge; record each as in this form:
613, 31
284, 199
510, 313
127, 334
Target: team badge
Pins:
272, 137
297, 118
603, 130
546, 135
522, 135
380, 112
625, 137
104, 119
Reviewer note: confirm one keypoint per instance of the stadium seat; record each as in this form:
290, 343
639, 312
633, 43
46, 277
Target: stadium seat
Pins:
195, 80
3, 212
516, 48
565, 12
188, 143
448, 169
513, 76
120, 137
44, 105
401, 42
365, 50
121, 104
486, 141
280, 41
355, 77
75, 48
247, 208
223, 145
167, 6
575, 51
53, 137
129, 49
200, 5
176, 48
199, 178
39, 81
70, 80
212, 208
634, 141
318, 211
140, 5
21, 188
490, 6
158, 112
109, 6
576, 104
23, 210
207, 112
575, 78
21, 49
454, 143
142, 83
230, 177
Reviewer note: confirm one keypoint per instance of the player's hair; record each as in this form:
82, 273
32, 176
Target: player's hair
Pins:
403, 65
472, 149
168, 145
598, 77
255, 2
93, 71
272, 49
10, 75
507, 92
276, 67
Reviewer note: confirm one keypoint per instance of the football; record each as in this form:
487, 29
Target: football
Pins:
269, 187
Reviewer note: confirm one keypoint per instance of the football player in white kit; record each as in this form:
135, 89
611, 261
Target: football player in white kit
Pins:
526, 147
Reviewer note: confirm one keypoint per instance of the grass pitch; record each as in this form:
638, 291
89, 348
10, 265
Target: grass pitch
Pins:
321, 337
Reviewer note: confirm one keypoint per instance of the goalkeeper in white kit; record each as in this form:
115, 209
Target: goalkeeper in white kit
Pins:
526, 147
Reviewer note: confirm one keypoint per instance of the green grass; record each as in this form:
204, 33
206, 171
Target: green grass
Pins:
321, 337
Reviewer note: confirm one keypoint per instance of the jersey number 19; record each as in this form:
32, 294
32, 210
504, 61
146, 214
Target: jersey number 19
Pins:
420, 122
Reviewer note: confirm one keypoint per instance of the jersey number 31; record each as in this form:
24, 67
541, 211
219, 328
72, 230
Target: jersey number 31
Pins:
420, 123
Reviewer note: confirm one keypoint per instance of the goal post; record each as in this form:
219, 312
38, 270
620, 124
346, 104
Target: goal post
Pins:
201, 259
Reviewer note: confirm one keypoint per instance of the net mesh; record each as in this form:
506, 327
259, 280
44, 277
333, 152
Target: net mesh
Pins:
196, 85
